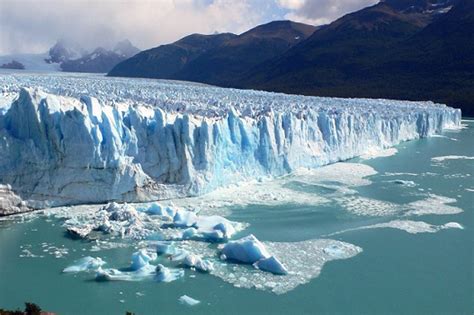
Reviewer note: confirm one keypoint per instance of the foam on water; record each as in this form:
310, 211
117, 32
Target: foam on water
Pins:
369, 207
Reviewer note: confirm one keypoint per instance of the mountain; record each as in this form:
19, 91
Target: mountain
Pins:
220, 65
101, 60
215, 59
340, 50
164, 61
65, 50
125, 49
417, 50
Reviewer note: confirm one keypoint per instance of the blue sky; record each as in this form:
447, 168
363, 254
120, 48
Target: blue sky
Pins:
33, 25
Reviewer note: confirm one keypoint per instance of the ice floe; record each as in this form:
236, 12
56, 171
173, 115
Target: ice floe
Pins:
409, 226
303, 261
440, 159
433, 204
377, 153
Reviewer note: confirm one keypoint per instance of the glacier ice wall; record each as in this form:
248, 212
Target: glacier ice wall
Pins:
91, 139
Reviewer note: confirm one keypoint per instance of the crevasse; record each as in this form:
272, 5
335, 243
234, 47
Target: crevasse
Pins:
57, 150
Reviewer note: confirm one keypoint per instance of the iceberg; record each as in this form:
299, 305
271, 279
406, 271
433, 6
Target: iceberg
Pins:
164, 274
81, 139
140, 269
196, 262
141, 258
249, 250
85, 264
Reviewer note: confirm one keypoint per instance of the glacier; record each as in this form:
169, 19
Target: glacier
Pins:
73, 139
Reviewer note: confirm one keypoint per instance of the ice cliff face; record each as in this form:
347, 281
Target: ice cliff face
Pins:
138, 140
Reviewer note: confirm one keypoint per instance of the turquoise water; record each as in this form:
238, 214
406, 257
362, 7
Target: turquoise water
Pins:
397, 272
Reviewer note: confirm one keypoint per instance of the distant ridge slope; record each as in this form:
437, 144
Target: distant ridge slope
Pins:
164, 61
215, 59
224, 63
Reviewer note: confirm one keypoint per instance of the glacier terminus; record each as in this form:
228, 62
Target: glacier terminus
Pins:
74, 139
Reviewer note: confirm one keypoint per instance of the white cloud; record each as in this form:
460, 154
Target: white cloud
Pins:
319, 12
32, 25
35, 25
291, 4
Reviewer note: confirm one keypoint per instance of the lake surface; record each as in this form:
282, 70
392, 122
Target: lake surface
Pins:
427, 272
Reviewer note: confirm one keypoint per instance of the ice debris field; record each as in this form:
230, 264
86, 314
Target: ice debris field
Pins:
140, 147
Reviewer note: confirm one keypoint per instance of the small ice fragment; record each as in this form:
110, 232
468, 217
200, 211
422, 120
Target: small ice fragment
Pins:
85, 264
188, 300
79, 231
184, 218
165, 248
194, 261
271, 264
141, 259
164, 274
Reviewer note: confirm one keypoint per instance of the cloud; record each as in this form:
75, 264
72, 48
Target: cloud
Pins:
35, 25
319, 12
32, 25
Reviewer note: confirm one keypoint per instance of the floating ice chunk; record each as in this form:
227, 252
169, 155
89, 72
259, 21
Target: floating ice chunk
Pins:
409, 226
247, 250
406, 183
157, 209
271, 264
451, 157
80, 231
369, 207
377, 152
144, 273
434, 204
165, 248
122, 212
184, 218
164, 274
453, 225
140, 270
334, 250
85, 264
189, 233
195, 261
208, 228
250, 250
216, 228
188, 300
349, 174
141, 258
